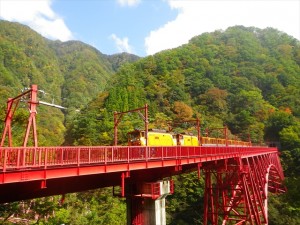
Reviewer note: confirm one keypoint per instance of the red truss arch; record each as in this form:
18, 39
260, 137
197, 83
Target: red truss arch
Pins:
236, 190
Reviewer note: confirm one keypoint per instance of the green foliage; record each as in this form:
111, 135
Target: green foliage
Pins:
7, 210
282, 211
182, 111
92, 207
85, 72
215, 101
276, 123
117, 60
160, 121
289, 137
185, 206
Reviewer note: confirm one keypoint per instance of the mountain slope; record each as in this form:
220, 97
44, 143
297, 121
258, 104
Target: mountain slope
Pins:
237, 77
70, 73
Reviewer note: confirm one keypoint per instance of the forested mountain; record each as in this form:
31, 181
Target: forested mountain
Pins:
244, 77
118, 60
70, 73
241, 77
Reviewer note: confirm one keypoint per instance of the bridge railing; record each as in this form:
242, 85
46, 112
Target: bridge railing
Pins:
12, 158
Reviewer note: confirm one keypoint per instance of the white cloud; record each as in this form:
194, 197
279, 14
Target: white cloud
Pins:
122, 44
128, 2
38, 15
196, 17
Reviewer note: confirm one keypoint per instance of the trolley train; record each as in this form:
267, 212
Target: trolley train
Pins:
164, 138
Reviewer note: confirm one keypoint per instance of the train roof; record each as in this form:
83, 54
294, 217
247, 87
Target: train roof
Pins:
153, 130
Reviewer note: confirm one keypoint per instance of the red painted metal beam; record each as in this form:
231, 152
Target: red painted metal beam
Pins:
237, 190
31, 121
118, 116
12, 105
7, 127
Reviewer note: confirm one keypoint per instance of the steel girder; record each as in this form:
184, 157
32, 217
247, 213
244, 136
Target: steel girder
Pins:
236, 189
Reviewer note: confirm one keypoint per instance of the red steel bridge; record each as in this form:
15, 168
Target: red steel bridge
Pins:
237, 178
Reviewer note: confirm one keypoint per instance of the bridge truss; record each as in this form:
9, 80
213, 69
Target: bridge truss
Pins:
236, 189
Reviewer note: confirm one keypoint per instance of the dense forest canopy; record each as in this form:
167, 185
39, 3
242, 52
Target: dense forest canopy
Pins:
238, 77
245, 78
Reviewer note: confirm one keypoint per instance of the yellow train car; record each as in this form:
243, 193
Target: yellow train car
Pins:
161, 138
187, 140
155, 138
209, 141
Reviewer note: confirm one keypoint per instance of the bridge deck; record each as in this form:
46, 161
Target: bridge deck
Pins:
27, 164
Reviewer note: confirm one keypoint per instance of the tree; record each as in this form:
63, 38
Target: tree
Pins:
182, 111
185, 205
290, 137
215, 99
275, 123
8, 209
161, 121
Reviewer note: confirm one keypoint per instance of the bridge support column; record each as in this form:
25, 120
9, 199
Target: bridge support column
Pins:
234, 193
146, 202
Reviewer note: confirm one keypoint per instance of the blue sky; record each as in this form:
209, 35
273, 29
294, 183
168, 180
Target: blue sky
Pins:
102, 23
145, 27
